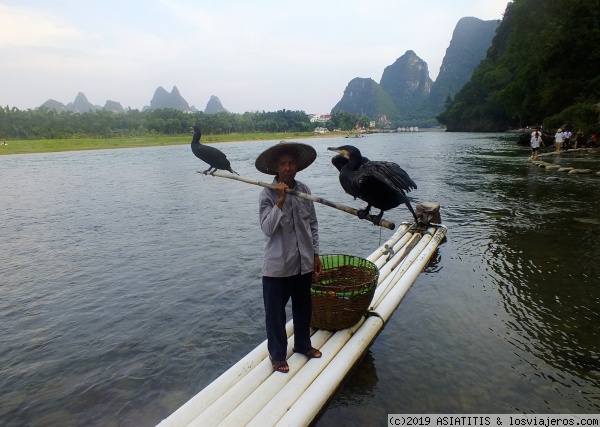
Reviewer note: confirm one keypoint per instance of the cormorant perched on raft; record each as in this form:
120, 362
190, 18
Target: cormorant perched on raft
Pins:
382, 185
216, 159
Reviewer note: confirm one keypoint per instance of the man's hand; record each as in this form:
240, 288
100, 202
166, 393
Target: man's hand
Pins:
280, 190
318, 266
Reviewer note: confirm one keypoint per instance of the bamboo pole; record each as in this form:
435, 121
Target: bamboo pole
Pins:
347, 209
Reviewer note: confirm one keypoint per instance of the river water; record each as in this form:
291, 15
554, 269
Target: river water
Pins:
129, 282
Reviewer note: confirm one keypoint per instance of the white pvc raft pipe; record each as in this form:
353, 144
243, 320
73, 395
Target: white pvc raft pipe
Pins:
251, 394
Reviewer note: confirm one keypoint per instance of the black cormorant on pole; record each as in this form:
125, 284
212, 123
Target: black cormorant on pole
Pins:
382, 185
216, 159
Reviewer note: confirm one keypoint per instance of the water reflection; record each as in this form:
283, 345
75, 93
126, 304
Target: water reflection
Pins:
541, 298
434, 264
545, 268
357, 392
359, 387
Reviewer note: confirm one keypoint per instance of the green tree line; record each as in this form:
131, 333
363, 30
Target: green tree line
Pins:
44, 123
543, 68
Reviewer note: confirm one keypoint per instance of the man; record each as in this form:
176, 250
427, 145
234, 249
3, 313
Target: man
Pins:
291, 250
567, 138
558, 139
536, 141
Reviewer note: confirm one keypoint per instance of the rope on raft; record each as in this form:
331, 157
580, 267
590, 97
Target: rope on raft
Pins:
347, 209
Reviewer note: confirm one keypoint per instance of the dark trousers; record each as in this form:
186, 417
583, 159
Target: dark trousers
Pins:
276, 293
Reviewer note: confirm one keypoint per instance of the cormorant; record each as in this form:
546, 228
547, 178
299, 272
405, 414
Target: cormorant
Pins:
382, 185
216, 159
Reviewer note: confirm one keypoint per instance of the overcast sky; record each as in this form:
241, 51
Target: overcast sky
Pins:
254, 55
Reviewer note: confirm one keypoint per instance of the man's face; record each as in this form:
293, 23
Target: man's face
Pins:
287, 166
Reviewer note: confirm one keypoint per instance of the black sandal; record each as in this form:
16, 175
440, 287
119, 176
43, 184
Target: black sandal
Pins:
280, 365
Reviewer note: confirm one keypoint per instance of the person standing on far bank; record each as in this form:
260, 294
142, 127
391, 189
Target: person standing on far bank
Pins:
291, 250
558, 139
536, 141
567, 137
579, 137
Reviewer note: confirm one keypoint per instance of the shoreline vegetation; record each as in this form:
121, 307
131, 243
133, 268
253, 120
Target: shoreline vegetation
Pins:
82, 144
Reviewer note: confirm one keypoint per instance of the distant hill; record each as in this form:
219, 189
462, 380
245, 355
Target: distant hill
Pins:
471, 39
214, 106
53, 104
164, 99
407, 84
541, 69
82, 105
161, 99
366, 97
404, 87
405, 94
113, 106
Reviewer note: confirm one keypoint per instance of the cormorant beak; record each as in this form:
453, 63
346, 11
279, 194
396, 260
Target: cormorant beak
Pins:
340, 151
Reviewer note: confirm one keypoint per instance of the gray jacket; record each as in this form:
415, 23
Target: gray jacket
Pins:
292, 236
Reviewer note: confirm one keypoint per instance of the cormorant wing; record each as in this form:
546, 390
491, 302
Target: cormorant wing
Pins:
215, 155
388, 172
211, 156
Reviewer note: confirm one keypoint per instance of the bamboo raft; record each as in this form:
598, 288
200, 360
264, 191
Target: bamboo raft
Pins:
251, 394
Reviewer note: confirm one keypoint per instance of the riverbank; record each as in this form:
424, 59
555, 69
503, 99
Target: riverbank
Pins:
79, 144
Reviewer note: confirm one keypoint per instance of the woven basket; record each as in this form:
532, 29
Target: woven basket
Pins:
342, 293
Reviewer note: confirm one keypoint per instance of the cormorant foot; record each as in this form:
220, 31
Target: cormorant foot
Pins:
362, 213
376, 219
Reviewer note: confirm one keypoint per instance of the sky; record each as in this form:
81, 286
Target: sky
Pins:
260, 55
